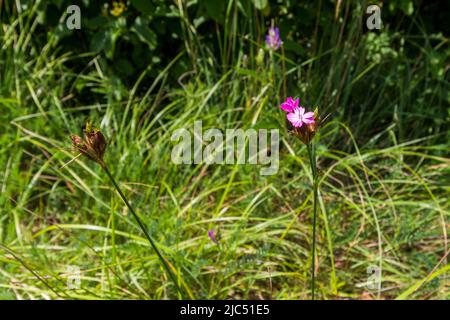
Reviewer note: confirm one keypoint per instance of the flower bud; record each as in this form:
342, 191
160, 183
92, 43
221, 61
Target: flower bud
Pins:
213, 236
260, 58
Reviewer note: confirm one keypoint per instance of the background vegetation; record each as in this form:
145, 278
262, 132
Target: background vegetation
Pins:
161, 65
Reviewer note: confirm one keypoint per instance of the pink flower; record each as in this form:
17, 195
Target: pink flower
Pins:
298, 117
305, 123
290, 104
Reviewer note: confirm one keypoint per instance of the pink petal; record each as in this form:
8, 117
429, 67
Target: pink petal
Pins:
289, 101
308, 115
298, 124
308, 120
294, 119
285, 106
301, 111
290, 104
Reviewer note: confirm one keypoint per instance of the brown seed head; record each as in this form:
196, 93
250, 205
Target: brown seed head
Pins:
305, 133
92, 146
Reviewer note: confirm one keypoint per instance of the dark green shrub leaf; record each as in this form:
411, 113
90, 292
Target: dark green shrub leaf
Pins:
145, 34
144, 6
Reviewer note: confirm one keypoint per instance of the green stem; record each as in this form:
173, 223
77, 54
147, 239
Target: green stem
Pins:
272, 69
312, 161
284, 71
141, 225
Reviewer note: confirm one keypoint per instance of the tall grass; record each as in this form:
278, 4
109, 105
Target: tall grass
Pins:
383, 169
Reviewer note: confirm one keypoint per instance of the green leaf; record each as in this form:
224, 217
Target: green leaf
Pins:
260, 4
96, 22
103, 40
215, 9
144, 6
145, 34
98, 41
124, 67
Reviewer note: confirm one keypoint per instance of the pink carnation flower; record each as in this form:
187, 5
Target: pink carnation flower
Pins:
290, 104
296, 115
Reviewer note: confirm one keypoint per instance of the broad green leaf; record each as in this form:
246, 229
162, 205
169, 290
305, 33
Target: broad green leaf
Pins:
145, 34
144, 6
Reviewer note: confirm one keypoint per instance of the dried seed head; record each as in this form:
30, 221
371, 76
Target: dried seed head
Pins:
96, 141
92, 146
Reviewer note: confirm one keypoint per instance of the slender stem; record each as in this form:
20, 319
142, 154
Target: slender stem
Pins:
312, 161
141, 225
272, 68
284, 71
